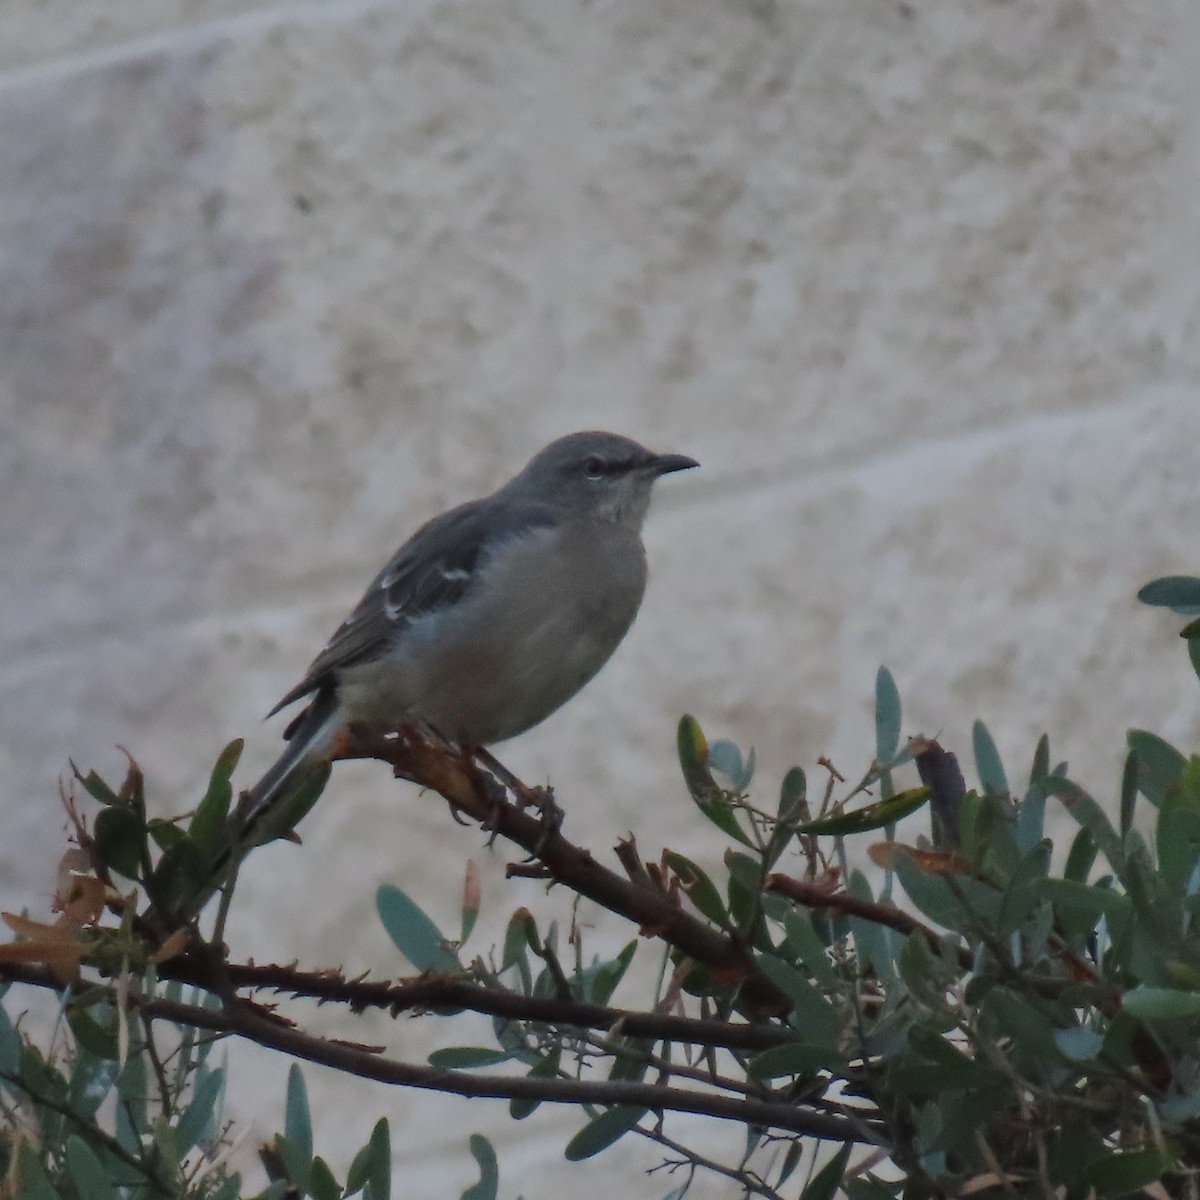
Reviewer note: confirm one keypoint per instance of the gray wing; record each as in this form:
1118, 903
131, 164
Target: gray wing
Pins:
434, 569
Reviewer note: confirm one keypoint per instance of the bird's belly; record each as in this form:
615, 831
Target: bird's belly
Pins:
489, 675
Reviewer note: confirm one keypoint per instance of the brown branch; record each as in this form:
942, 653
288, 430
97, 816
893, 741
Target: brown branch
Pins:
241, 1020
813, 895
484, 796
434, 991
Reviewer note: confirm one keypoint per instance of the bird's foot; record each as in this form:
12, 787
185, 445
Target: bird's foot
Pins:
549, 813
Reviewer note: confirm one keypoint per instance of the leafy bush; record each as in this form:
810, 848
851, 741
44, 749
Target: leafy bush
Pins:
977, 1021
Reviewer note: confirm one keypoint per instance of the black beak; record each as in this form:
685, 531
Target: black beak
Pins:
664, 464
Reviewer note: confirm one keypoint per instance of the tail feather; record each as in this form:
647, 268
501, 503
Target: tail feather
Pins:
308, 736
264, 812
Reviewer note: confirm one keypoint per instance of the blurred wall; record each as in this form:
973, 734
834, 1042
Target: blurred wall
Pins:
915, 280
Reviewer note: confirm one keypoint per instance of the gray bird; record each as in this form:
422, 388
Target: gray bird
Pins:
490, 616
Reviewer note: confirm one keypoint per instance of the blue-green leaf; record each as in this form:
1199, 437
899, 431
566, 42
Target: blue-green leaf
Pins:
31, 1179
1160, 1004
887, 716
1178, 592
321, 1183
465, 1058
1159, 764
489, 1171
88, 1174
412, 932
987, 761
544, 1068
297, 1123
811, 1013
609, 1127
824, 1184
1080, 1043
1128, 1173
197, 1118
795, 1058
379, 1164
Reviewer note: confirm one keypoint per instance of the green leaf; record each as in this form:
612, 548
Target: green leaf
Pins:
1178, 592
88, 1174
295, 803
1080, 857
700, 889
372, 1165
1129, 791
1091, 816
887, 716
97, 788
601, 1133
873, 816
1041, 761
297, 1124
520, 934
31, 1179
711, 799
489, 1171
208, 825
1159, 764
166, 834
1123, 1174
791, 1160
602, 979
99, 1040
1079, 906
197, 1118
795, 1058
465, 1058
120, 841
1160, 1004
987, 761
412, 932
1178, 830
811, 1013
544, 1068
131, 1111
791, 794
379, 1177
10, 1044
867, 1187
824, 1184
321, 1183
808, 948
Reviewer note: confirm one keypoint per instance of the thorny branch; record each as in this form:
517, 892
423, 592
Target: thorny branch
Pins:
243, 1019
484, 795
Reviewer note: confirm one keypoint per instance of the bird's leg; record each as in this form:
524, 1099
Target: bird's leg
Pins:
541, 798
485, 782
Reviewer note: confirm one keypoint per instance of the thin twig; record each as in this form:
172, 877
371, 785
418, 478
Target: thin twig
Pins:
244, 1021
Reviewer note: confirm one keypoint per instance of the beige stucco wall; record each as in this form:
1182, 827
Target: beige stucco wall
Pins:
917, 282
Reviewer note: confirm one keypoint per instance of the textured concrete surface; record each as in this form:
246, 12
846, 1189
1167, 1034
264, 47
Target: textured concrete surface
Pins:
916, 282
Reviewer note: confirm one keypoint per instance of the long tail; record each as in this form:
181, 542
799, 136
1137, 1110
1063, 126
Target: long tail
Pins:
257, 817
273, 806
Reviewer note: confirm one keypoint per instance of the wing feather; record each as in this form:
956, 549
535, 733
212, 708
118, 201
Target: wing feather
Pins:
434, 569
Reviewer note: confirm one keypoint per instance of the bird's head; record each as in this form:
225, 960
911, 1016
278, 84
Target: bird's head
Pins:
598, 474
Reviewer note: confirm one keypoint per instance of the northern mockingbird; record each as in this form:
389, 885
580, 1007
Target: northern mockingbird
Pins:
490, 616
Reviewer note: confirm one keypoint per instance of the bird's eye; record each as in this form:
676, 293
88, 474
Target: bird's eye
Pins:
593, 467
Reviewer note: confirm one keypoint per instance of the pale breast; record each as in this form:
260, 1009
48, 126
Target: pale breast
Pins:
545, 616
